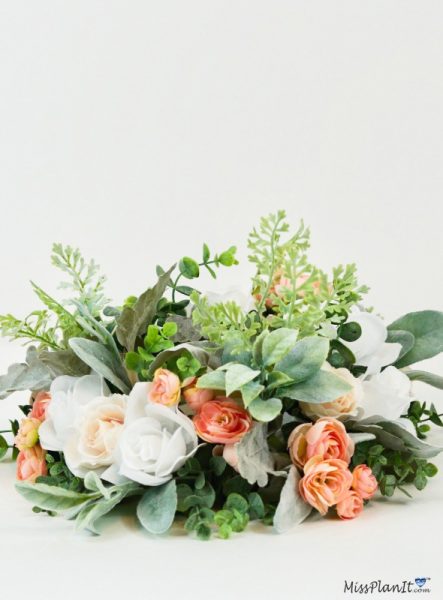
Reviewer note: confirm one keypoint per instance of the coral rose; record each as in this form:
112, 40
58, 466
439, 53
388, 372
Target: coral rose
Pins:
27, 435
350, 506
195, 397
325, 482
364, 482
344, 406
165, 388
222, 421
326, 438
31, 464
40, 405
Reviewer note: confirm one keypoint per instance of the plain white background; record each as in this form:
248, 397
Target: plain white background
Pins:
138, 130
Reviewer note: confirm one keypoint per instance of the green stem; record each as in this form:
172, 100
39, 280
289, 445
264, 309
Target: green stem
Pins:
272, 270
429, 418
180, 275
6, 431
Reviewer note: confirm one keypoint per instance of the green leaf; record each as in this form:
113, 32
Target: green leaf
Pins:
237, 376
404, 338
254, 458
277, 345
420, 481
156, 509
277, 379
305, 359
113, 496
237, 502
134, 320
250, 392
21, 376
227, 258
50, 497
202, 351
206, 253
256, 506
425, 377
265, 410
189, 268
291, 509
427, 328
3, 447
350, 332
102, 361
216, 380
321, 387
430, 470
169, 329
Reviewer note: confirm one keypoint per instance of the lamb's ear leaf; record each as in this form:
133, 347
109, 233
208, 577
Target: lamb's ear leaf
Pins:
425, 377
157, 507
277, 345
51, 497
265, 410
321, 387
134, 320
291, 509
305, 358
102, 361
32, 375
427, 328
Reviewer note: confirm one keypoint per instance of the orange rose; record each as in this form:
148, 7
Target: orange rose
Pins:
222, 421
343, 406
165, 388
195, 397
350, 506
325, 482
40, 405
326, 438
31, 463
364, 482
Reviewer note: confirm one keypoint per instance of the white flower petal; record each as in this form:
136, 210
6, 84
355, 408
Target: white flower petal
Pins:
373, 336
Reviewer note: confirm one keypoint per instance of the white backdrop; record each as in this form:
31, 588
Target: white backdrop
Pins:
137, 130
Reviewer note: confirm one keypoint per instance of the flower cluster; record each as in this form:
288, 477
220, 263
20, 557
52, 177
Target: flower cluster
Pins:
264, 404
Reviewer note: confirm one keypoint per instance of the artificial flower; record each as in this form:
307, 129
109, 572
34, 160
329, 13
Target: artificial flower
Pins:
195, 397
91, 445
69, 395
350, 505
342, 407
31, 463
371, 349
364, 482
386, 396
165, 388
156, 441
222, 421
326, 438
40, 405
27, 435
325, 482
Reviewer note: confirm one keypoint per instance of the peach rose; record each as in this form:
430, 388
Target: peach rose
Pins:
165, 388
31, 464
195, 397
326, 438
40, 405
325, 482
364, 482
222, 421
344, 406
27, 435
350, 506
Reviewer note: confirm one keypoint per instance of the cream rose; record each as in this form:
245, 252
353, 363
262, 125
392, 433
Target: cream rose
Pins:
342, 407
92, 444
155, 442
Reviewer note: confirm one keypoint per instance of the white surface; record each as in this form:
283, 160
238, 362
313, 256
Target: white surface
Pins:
139, 129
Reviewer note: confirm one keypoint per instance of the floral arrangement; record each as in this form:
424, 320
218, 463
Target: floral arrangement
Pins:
216, 410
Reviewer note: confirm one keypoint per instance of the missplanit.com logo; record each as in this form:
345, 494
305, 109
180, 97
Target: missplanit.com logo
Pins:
419, 585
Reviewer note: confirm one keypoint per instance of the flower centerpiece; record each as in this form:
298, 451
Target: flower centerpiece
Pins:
212, 411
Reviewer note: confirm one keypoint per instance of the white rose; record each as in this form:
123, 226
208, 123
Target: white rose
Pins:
68, 396
371, 349
91, 445
156, 441
386, 396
